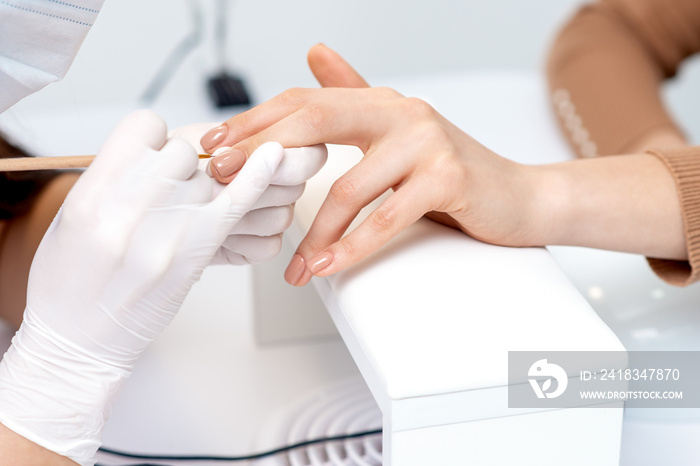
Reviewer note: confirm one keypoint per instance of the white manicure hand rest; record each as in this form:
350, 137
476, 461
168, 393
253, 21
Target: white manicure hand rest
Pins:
435, 311
429, 321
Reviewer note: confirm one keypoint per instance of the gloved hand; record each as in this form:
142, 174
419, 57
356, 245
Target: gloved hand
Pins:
258, 236
132, 237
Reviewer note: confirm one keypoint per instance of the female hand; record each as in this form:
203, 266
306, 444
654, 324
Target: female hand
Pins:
432, 166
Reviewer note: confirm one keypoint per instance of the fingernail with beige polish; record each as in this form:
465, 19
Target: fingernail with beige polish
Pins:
295, 270
305, 277
214, 137
320, 262
227, 162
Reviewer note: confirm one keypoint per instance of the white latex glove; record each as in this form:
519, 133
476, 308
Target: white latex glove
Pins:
134, 234
258, 236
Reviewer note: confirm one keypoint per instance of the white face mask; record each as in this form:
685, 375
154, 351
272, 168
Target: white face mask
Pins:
38, 42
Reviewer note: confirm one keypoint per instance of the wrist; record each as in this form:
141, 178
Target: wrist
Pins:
625, 203
568, 202
55, 395
549, 212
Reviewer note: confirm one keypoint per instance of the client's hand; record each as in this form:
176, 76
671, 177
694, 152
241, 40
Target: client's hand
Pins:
431, 165
258, 236
134, 234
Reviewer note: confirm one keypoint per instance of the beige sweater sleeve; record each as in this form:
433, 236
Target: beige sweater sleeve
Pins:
605, 70
684, 165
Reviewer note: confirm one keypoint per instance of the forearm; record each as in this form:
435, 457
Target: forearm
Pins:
625, 203
16, 450
605, 71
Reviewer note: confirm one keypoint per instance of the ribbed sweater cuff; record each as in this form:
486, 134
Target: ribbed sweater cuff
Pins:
684, 165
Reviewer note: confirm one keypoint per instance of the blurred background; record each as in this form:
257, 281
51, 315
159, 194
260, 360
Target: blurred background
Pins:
267, 41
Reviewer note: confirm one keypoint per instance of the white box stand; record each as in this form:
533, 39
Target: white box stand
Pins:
429, 321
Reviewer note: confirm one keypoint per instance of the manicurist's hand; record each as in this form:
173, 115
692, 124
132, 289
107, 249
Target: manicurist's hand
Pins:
258, 235
431, 165
133, 236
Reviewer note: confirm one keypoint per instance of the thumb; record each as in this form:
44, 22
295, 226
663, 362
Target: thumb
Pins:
242, 193
331, 70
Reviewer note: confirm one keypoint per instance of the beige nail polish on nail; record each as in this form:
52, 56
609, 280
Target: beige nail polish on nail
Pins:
320, 262
214, 137
228, 162
295, 270
306, 277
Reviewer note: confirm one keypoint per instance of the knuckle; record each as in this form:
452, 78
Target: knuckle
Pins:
316, 117
417, 108
445, 167
441, 166
386, 92
432, 134
293, 96
347, 247
344, 190
382, 219
155, 265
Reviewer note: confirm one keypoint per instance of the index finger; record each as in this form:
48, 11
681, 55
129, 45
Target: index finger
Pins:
254, 120
354, 117
404, 207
